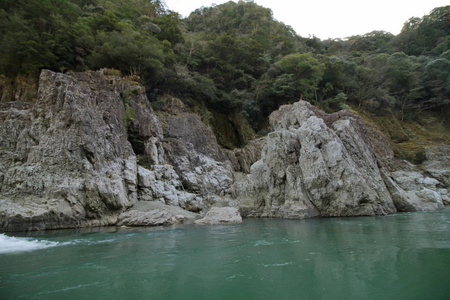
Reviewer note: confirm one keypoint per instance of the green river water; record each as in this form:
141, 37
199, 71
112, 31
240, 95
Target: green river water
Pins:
402, 256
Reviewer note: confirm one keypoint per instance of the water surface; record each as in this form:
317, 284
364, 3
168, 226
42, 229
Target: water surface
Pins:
403, 256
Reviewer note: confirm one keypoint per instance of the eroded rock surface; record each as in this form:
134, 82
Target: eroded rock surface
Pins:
437, 163
192, 149
417, 192
66, 156
221, 215
71, 158
146, 213
91, 151
314, 164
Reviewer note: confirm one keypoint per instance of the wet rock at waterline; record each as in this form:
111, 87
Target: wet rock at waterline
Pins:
221, 215
146, 213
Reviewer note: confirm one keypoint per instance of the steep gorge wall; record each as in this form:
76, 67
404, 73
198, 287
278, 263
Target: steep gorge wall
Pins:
91, 151
67, 161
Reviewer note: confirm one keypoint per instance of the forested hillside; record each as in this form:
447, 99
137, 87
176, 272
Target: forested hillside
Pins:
234, 64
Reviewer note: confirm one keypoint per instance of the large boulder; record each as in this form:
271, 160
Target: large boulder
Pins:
420, 192
145, 213
314, 164
221, 215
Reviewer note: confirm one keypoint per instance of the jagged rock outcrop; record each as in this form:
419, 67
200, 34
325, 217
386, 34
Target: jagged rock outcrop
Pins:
66, 156
70, 159
91, 151
243, 158
314, 164
192, 149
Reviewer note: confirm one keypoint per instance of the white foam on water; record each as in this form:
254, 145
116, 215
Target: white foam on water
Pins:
262, 243
13, 244
278, 265
69, 288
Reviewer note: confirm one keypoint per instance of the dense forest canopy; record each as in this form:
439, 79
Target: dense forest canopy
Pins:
231, 57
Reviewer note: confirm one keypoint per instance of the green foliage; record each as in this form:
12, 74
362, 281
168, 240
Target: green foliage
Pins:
232, 57
35, 34
130, 115
429, 35
306, 72
86, 34
337, 102
129, 119
128, 51
169, 25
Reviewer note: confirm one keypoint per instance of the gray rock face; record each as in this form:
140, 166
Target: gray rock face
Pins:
438, 163
221, 215
145, 213
192, 149
68, 156
310, 168
91, 152
243, 158
70, 159
163, 185
420, 193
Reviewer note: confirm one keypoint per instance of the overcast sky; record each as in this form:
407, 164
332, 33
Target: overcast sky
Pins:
332, 18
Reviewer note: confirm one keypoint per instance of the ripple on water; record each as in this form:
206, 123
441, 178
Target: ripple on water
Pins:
69, 288
277, 264
262, 243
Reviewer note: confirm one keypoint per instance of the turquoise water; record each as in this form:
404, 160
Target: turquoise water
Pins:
403, 256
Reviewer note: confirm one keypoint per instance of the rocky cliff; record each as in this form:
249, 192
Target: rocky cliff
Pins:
91, 151
315, 164
71, 158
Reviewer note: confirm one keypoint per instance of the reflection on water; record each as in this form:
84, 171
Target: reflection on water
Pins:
404, 256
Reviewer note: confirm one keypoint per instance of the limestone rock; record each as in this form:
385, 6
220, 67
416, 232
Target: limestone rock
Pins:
70, 147
310, 168
421, 192
28, 214
438, 163
162, 184
154, 214
221, 215
192, 149
152, 218
91, 147
71, 158
243, 158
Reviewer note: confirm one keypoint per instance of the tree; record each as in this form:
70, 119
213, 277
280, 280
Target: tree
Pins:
422, 36
36, 34
306, 71
128, 51
436, 80
170, 28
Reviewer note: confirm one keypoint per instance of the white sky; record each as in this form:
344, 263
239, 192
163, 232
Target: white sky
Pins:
332, 18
